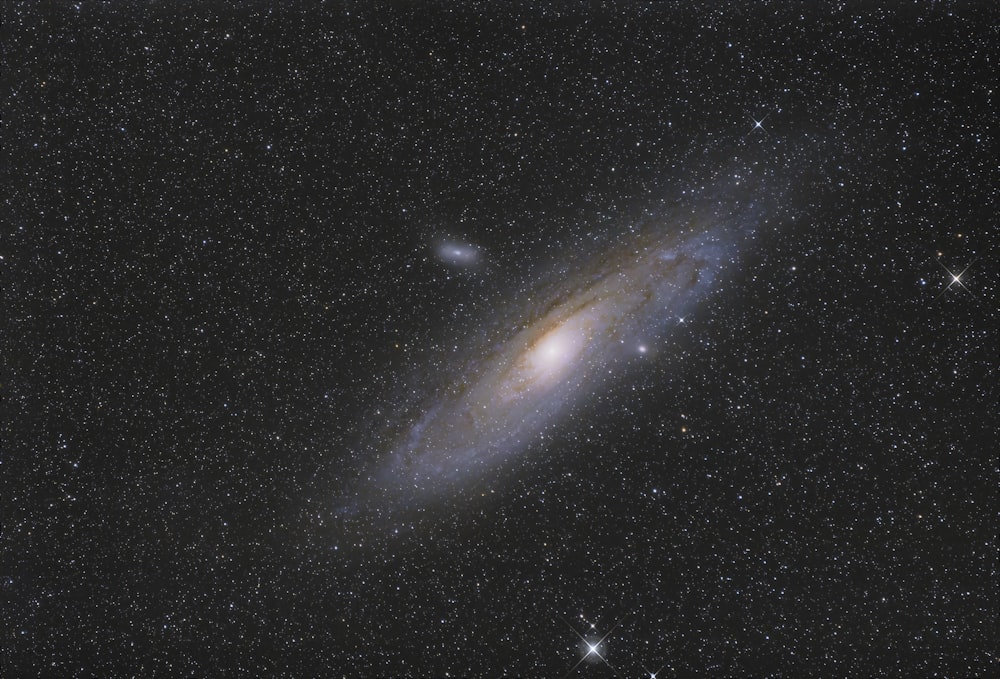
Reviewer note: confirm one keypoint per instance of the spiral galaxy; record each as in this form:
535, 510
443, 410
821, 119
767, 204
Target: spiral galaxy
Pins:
498, 406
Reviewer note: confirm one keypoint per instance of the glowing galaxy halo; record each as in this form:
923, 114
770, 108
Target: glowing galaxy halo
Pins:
560, 347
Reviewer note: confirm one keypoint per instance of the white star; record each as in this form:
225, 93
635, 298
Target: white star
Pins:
652, 675
955, 278
593, 648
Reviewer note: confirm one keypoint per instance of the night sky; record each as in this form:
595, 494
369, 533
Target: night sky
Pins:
267, 269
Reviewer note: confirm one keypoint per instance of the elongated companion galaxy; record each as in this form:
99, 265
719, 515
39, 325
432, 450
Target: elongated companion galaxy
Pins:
480, 338
606, 310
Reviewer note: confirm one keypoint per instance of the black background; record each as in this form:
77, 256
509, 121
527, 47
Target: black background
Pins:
220, 286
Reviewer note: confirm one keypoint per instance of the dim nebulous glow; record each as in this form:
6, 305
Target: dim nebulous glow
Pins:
457, 253
512, 388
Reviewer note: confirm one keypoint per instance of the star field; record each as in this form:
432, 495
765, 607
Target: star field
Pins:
248, 249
